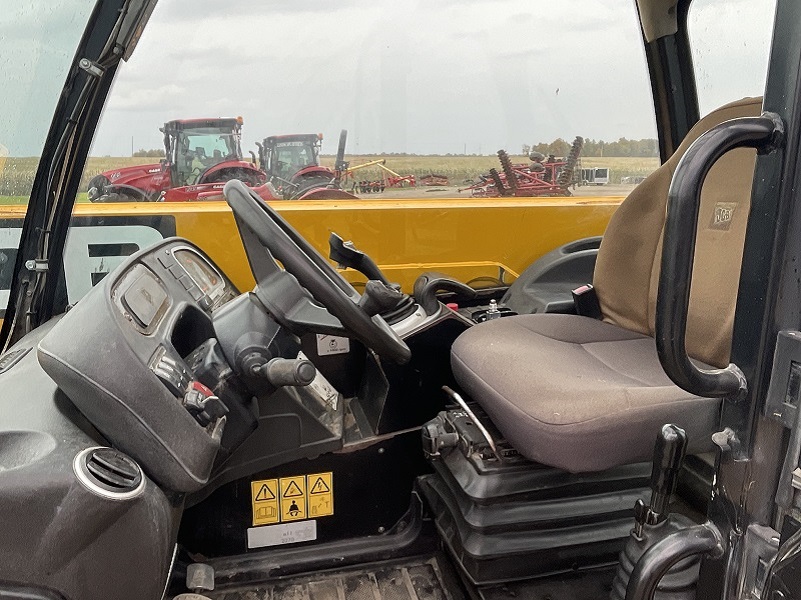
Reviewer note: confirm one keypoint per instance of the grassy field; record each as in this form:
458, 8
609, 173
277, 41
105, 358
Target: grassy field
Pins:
17, 177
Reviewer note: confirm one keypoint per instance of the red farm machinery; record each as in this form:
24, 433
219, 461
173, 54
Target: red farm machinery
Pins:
389, 179
292, 165
200, 155
542, 177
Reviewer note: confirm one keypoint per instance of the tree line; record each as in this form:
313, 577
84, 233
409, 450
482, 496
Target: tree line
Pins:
157, 153
622, 147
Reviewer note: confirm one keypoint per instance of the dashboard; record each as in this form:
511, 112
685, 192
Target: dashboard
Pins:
151, 325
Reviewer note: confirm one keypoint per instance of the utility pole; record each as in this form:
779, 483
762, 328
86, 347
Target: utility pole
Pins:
132, 150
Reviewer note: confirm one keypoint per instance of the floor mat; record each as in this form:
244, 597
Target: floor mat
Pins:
585, 585
410, 579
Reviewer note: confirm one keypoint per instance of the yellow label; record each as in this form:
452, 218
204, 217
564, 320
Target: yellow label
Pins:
293, 498
265, 501
321, 494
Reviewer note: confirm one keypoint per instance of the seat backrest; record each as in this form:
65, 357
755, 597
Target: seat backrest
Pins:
627, 270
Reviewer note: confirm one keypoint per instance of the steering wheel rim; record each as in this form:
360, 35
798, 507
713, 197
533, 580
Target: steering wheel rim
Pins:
313, 272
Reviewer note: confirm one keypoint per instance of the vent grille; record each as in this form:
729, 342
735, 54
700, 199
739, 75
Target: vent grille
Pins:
109, 472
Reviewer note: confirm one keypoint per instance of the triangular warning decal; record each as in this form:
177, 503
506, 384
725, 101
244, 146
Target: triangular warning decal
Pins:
265, 493
292, 490
320, 487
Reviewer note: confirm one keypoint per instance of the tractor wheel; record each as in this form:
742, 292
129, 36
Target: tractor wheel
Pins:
124, 193
309, 183
114, 197
496, 179
248, 176
511, 176
566, 174
96, 187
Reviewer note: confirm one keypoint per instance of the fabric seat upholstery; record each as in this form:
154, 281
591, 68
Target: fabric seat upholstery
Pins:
585, 395
574, 392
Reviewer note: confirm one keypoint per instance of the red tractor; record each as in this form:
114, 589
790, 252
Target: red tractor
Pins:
292, 164
199, 154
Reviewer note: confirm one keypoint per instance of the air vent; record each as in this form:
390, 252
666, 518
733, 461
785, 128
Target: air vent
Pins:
109, 473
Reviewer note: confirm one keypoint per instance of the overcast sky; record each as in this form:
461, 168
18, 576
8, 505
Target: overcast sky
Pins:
424, 77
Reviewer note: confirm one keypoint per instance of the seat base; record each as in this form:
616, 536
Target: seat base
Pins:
514, 519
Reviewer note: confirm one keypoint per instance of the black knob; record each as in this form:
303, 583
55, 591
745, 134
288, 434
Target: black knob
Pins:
286, 371
669, 451
379, 297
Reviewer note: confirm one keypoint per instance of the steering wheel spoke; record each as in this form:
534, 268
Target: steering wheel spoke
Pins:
311, 270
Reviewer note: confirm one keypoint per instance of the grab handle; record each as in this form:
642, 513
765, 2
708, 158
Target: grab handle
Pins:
765, 133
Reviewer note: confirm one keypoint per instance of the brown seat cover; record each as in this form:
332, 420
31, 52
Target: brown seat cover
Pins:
585, 395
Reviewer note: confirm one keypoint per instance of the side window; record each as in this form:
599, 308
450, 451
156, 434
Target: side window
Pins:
37, 44
730, 47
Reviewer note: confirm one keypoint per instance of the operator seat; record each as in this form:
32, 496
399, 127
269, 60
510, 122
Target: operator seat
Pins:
583, 394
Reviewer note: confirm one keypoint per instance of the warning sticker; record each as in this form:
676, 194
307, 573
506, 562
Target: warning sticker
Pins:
293, 498
265, 501
321, 494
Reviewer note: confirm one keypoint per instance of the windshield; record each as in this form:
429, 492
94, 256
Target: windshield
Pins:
196, 150
289, 157
411, 105
37, 44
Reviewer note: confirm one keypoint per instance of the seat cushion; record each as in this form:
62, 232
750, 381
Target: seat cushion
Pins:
576, 393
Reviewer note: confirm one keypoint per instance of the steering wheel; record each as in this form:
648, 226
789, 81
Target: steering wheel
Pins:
313, 272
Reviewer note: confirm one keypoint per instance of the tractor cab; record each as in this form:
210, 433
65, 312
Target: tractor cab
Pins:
292, 164
620, 421
283, 156
195, 147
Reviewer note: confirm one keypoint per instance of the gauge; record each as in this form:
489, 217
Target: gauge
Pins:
206, 278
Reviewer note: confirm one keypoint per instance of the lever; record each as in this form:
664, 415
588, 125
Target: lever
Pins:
379, 297
669, 451
346, 255
281, 372
427, 286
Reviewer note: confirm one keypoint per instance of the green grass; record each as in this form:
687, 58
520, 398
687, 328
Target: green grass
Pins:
13, 200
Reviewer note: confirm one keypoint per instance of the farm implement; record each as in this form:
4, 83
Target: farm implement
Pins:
390, 179
542, 177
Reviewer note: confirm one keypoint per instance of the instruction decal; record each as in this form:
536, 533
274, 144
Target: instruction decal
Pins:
321, 494
332, 344
293, 498
265, 501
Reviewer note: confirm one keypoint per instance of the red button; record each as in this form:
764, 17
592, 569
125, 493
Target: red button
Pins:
199, 387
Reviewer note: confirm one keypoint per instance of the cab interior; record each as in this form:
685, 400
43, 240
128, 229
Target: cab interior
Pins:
305, 440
